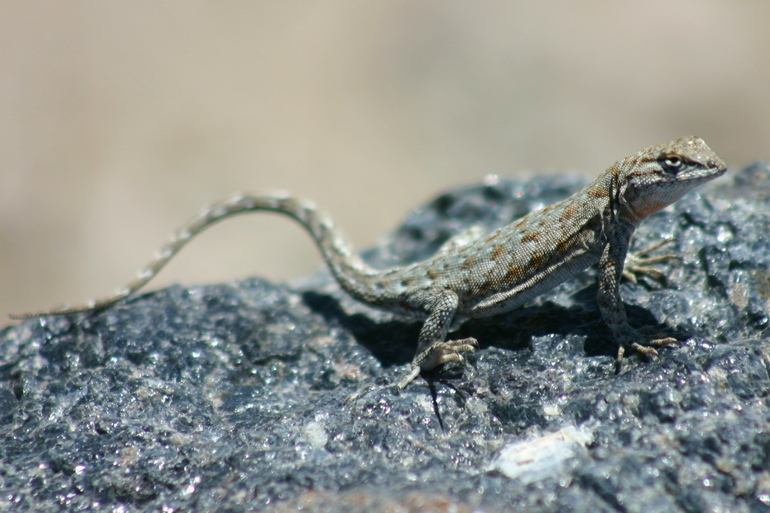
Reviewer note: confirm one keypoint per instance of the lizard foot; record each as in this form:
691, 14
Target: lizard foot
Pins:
639, 263
438, 353
644, 346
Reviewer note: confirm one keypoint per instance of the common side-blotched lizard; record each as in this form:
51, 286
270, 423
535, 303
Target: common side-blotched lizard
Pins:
486, 275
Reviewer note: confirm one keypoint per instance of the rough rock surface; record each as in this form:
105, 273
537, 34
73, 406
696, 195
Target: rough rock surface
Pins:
252, 396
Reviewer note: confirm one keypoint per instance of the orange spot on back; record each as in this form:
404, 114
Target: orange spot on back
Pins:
498, 252
531, 237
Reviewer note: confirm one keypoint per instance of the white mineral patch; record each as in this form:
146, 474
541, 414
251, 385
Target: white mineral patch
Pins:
539, 458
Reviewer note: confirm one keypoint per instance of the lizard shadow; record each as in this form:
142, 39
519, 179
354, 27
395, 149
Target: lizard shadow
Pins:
393, 342
516, 329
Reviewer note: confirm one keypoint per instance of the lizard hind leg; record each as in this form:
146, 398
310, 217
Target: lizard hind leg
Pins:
432, 349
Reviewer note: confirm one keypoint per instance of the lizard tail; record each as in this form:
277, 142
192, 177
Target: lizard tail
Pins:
346, 266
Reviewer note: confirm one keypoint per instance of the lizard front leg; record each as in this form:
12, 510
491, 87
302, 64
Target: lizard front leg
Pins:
610, 303
638, 262
432, 349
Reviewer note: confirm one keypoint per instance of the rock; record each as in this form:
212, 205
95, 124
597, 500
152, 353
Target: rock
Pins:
253, 396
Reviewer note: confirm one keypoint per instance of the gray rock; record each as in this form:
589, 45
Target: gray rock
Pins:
253, 396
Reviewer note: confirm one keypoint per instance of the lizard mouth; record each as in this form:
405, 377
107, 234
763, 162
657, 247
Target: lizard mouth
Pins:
707, 174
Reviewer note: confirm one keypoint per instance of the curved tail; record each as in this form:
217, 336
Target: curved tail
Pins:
346, 266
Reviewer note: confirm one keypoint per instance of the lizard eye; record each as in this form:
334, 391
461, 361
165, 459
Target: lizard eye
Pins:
672, 163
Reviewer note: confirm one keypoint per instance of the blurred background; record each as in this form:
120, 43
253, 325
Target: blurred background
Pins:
119, 120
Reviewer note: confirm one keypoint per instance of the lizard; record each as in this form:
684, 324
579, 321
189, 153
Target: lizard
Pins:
483, 275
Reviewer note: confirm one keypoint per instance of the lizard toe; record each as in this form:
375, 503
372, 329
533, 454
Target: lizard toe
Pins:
643, 343
449, 351
438, 354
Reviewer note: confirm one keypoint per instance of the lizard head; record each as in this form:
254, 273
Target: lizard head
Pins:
658, 176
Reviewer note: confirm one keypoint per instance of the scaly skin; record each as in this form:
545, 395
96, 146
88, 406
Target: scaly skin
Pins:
478, 276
